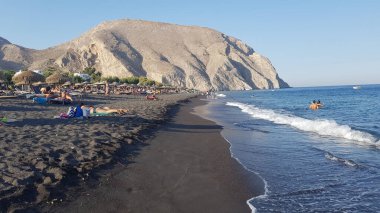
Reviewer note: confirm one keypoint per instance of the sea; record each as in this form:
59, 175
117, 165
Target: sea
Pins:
327, 160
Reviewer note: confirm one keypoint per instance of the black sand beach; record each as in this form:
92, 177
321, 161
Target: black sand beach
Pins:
41, 155
186, 167
138, 162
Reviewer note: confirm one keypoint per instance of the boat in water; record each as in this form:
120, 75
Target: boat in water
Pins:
356, 87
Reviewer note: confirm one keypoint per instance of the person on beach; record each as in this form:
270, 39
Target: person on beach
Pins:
107, 110
152, 97
66, 96
107, 92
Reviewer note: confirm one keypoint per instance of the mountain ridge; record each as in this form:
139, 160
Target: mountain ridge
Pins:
188, 56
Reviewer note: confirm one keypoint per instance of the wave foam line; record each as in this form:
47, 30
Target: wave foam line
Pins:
322, 127
266, 190
346, 162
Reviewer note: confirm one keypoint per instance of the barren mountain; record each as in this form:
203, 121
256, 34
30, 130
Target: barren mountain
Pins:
194, 57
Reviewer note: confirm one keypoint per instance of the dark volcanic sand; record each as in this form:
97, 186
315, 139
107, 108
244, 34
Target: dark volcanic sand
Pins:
187, 167
40, 156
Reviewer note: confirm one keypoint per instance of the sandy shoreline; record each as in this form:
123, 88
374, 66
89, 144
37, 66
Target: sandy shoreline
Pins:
40, 155
185, 167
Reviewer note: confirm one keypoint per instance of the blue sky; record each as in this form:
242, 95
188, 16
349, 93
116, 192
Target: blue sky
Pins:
310, 42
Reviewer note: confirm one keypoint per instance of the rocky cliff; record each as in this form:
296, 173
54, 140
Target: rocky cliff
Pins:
189, 56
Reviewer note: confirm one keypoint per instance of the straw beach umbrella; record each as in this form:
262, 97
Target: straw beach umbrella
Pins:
57, 78
27, 78
67, 83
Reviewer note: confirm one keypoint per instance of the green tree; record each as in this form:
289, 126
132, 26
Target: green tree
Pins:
89, 70
111, 79
95, 75
130, 80
49, 71
8, 74
149, 82
133, 80
76, 79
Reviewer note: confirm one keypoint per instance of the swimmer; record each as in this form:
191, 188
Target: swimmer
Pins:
313, 106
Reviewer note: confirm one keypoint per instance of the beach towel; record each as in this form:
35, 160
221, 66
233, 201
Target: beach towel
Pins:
100, 114
78, 112
71, 112
40, 100
86, 112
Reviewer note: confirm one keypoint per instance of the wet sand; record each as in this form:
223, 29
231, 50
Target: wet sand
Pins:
185, 167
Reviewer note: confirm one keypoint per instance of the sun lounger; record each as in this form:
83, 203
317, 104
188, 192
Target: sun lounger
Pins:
125, 93
77, 95
30, 96
8, 97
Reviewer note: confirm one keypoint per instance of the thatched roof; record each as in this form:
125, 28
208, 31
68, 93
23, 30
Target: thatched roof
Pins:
57, 78
67, 83
27, 77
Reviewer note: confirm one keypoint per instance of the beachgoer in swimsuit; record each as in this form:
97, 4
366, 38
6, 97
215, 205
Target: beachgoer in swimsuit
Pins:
319, 104
66, 96
313, 106
107, 110
151, 97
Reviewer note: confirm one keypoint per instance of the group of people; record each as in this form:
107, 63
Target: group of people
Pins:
315, 105
48, 92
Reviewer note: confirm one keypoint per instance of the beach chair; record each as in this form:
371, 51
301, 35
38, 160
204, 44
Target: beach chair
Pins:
36, 93
36, 89
77, 95
100, 92
18, 92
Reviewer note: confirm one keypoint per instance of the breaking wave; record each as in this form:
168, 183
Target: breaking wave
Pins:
322, 127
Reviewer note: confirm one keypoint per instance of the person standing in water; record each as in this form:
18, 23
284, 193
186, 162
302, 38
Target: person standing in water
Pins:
315, 105
319, 104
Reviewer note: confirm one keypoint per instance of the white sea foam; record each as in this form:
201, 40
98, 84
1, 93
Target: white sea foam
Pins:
221, 95
346, 162
322, 127
266, 190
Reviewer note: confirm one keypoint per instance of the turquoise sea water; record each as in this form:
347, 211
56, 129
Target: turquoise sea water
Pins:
312, 161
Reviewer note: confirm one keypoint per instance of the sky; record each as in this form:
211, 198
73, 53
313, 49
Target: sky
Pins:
309, 42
